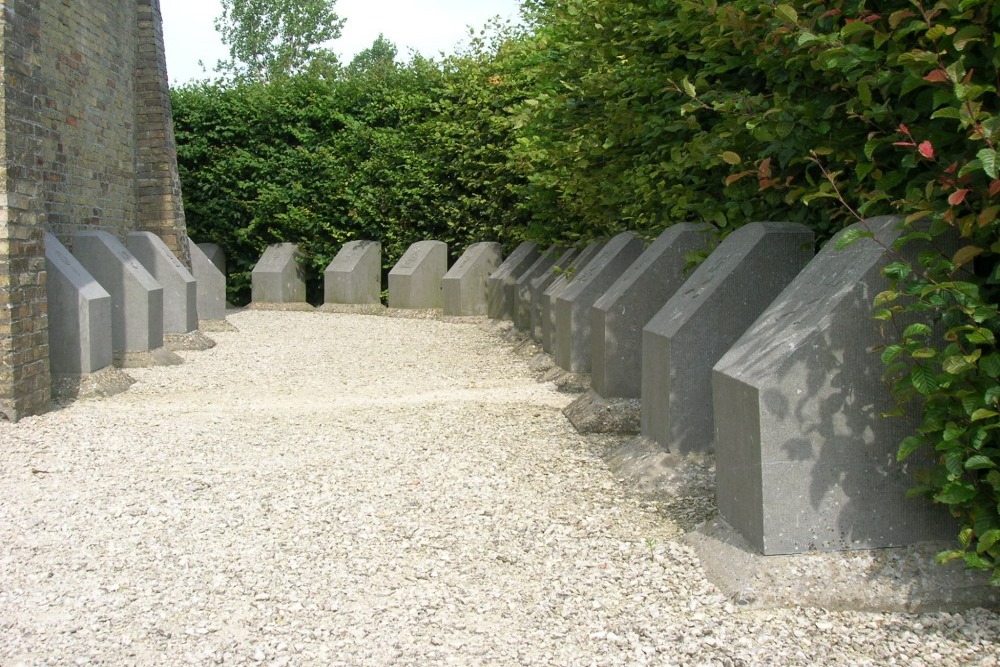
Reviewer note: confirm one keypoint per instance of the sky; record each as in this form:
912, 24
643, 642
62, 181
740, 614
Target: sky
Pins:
428, 26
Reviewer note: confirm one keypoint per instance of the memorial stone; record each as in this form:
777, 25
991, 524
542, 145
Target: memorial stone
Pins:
521, 309
215, 254
136, 297
464, 286
548, 300
805, 461
79, 315
355, 274
180, 289
618, 316
278, 277
699, 323
211, 286
573, 349
541, 283
500, 285
415, 281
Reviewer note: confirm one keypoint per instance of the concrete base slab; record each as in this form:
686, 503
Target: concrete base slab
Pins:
566, 382
160, 356
593, 413
898, 579
353, 308
292, 306
194, 341
541, 363
527, 348
216, 325
105, 382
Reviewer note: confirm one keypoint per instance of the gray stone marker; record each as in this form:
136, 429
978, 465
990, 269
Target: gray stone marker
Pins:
415, 281
355, 274
500, 285
211, 286
278, 277
464, 286
541, 283
573, 349
548, 300
618, 316
136, 297
521, 308
215, 254
79, 315
180, 289
804, 459
713, 308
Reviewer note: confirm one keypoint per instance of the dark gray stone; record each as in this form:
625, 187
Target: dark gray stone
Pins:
79, 315
415, 281
136, 297
804, 459
355, 274
682, 342
211, 286
180, 289
619, 315
279, 277
500, 285
573, 349
215, 254
464, 285
521, 314
548, 300
541, 283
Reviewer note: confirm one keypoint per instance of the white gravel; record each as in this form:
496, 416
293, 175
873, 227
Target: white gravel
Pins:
327, 489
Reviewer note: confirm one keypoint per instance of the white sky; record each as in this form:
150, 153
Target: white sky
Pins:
428, 26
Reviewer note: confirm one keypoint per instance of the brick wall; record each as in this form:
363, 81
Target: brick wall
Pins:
86, 141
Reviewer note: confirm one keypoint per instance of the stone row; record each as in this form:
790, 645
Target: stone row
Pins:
115, 304
760, 355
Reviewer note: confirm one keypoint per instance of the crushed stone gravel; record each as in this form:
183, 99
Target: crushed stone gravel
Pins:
337, 489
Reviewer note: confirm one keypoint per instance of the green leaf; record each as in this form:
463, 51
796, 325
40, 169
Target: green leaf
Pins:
983, 413
731, 158
987, 540
988, 158
849, 236
923, 380
956, 365
955, 493
909, 445
689, 88
979, 462
788, 13
917, 329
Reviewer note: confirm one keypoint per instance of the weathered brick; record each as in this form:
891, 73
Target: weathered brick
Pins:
86, 123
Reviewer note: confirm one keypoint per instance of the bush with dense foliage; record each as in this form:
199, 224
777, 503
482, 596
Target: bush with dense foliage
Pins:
377, 150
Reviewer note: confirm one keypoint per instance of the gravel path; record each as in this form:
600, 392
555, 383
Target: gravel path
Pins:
346, 490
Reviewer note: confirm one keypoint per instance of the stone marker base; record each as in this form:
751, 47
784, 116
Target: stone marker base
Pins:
541, 363
161, 356
592, 413
212, 326
527, 348
566, 382
414, 313
105, 382
194, 341
896, 579
291, 306
353, 308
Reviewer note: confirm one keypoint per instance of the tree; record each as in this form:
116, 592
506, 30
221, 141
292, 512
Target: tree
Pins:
270, 38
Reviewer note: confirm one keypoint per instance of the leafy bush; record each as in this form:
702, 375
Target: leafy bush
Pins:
389, 152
